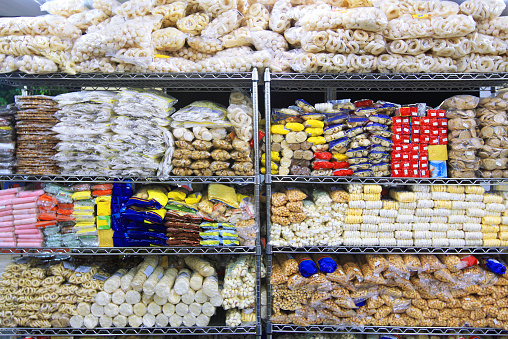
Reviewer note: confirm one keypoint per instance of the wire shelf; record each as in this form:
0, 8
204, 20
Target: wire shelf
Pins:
210, 330
102, 179
391, 250
179, 81
388, 330
130, 250
434, 82
386, 180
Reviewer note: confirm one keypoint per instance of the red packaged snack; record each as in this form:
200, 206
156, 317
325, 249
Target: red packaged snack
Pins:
61, 217
44, 224
434, 140
396, 165
396, 173
405, 111
414, 154
46, 200
424, 165
441, 113
323, 155
321, 164
397, 129
443, 123
363, 103
102, 187
340, 164
66, 206
415, 138
64, 212
432, 113
47, 216
424, 173
424, 156
101, 193
343, 173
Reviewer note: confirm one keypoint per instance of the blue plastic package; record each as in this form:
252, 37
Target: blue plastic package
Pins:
495, 266
146, 235
326, 264
438, 169
144, 216
307, 267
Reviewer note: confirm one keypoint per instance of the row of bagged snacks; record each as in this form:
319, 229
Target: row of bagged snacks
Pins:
159, 215
478, 135
343, 36
211, 139
369, 215
112, 292
133, 132
338, 138
389, 290
7, 139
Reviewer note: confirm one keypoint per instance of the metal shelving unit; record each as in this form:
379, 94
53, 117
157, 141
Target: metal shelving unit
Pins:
174, 82
131, 251
390, 330
210, 330
330, 84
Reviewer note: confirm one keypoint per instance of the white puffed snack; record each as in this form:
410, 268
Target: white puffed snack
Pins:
64, 8
76, 321
90, 321
194, 23
168, 309
200, 265
211, 286
120, 321
154, 308
118, 297
113, 282
149, 320
97, 310
83, 309
146, 299
188, 297
111, 310
174, 297
125, 309
182, 282
161, 320
175, 320
135, 321
168, 39
102, 298
195, 309
139, 309
223, 24
201, 297
189, 320
208, 309
202, 320
158, 300
181, 309
105, 321
165, 284
145, 269
132, 297
125, 280
365, 18
153, 280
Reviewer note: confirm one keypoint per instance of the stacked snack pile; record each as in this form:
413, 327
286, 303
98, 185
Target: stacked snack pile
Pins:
239, 292
337, 138
423, 216
157, 215
420, 138
7, 139
392, 290
18, 218
399, 36
105, 133
154, 292
35, 139
464, 141
204, 143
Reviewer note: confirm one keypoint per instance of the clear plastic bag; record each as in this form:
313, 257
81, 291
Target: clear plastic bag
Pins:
64, 8
482, 10
168, 39
222, 24
365, 18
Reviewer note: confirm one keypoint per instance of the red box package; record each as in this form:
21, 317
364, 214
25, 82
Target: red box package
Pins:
434, 140
397, 129
414, 111
434, 132
414, 164
424, 165
397, 121
396, 173
425, 138
401, 139
443, 140
414, 154
414, 147
415, 129
424, 148
424, 173
441, 113
415, 138
425, 122
405, 111
443, 132
406, 165
396, 156
443, 123
415, 121
396, 165
432, 113
434, 122
405, 155
406, 129
424, 156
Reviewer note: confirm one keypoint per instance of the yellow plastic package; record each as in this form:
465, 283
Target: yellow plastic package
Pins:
193, 199
224, 194
317, 140
83, 195
178, 194
103, 205
314, 124
104, 222
106, 238
314, 132
294, 126
279, 129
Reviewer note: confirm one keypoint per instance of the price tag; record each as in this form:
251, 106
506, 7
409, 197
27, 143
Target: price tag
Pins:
68, 265
148, 271
83, 269
160, 276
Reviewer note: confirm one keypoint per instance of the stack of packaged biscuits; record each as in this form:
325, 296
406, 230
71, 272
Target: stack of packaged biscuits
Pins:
34, 121
7, 139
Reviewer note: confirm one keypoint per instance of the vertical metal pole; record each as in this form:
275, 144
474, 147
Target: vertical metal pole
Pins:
269, 290
255, 104
330, 94
268, 138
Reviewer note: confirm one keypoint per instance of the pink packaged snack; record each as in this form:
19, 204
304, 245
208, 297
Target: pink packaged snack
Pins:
4, 213
10, 191
8, 244
33, 215
26, 227
25, 194
28, 231
7, 229
22, 237
6, 234
8, 217
29, 244
22, 212
24, 200
24, 206
32, 220
5, 202
6, 223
